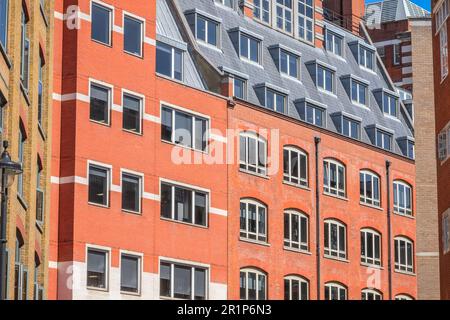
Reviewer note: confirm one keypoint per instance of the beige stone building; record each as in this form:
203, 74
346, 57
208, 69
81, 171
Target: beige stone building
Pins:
26, 40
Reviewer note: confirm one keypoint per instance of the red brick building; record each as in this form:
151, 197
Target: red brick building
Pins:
309, 194
442, 102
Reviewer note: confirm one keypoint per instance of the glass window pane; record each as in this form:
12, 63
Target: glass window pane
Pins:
166, 125
165, 280
99, 105
182, 282
131, 113
98, 185
164, 59
183, 129
132, 35
200, 209
101, 23
96, 269
200, 284
166, 201
183, 205
131, 193
129, 270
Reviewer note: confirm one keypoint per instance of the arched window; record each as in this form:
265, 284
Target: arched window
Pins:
252, 153
335, 239
296, 225
370, 247
253, 284
334, 178
296, 288
403, 198
370, 294
335, 291
253, 220
295, 166
403, 297
369, 188
404, 255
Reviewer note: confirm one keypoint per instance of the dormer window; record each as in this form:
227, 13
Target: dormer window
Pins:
311, 112
390, 104
383, 140
359, 92
334, 43
169, 60
325, 79
249, 48
284, 15
366, 57
272, 97
239, 81
348, 125
287, 60
205, 27
381, 137
407, 146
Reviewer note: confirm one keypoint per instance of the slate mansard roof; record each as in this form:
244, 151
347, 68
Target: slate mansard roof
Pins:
226, 57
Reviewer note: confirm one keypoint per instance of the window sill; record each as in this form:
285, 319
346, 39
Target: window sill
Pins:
250, 62
98, 205
97, 289
288, 77
360, 105
22, 202
404, 215
184, 147
331, 94
130, 212
108, 125
132, 294
25, 94
336, 258
264, 244
371, 206
184, 223
335, 196
139, 134
140, 56
109, 45
297, 251
388, 116
374, 266
5, 56
254, 174
367, 69
406, 273
209, 46
298, 186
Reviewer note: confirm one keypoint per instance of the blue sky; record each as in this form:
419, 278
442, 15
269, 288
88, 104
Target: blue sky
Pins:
423, 3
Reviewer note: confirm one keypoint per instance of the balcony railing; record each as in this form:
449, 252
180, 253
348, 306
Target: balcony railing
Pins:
349, 22
39, 206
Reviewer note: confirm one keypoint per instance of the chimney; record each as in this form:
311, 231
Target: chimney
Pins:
346, 13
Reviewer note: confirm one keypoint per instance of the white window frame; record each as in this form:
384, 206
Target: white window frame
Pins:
396, 54
367, 51
404, 268
140, 257
258, 273
403, 211
350, 128
245, 90
288, 242
306, 19
140, 176
403, 297
342, 193
331, 47
275, 100
441, 15
285, 9
248, 57
141, 99
244, 234
322, 86
290, 56
110, 89
287, 177
208, 23
108, 169
222, 3
261, 11
142, 22
364, 198
385, 135
365, 259
301, 281
193, 190
194, 115
443, 45
358, 95
107, 252
173, 51
338, 286
259, 170
391, 100
193, 266
329, 252
110, 8
375, 293
315, 110
444, 144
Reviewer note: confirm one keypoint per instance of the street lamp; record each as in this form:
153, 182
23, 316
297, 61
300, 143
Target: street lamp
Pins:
9, 170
